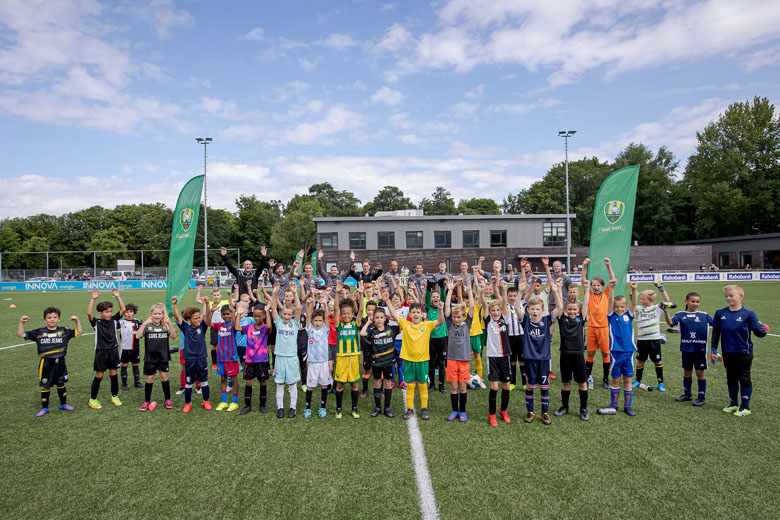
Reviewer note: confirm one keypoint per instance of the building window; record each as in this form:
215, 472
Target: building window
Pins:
414, 240
746, 258
442, 239
554, 233
470, 239
723, 260
357, 240
386, 240
498, 238
330, 240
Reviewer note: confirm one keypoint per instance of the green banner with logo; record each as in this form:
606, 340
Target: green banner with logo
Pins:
185, 226
613, 220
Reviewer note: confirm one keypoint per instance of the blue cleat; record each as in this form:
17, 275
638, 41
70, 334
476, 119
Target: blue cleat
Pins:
452, 416
661, 387
462, 417
635, 383
43, 412
307, 413
322, 413
67, 407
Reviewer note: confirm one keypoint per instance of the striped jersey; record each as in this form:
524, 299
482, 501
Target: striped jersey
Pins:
497, 336
694, 330
648, 322
348, 343
227, 351
621, 332
382, 344
127, 330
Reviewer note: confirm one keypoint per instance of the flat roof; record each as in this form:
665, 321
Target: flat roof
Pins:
730, 239
433, 218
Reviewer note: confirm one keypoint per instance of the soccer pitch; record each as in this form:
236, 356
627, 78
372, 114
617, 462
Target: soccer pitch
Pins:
671, 460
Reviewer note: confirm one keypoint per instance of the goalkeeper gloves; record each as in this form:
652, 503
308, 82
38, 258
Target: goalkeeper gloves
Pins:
714, 356
764, 328
659, 285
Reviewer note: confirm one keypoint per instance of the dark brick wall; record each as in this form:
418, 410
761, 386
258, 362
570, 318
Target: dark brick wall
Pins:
664, 258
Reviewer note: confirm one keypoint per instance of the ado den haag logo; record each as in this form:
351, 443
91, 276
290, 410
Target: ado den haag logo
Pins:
185, 217
613, 211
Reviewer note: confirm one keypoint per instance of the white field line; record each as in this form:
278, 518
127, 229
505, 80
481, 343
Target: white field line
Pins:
424, 486
33, 343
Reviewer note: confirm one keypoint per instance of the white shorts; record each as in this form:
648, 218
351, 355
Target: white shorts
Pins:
286, 370
318, 374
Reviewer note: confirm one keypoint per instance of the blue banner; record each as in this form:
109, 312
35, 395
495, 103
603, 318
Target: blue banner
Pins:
103, 285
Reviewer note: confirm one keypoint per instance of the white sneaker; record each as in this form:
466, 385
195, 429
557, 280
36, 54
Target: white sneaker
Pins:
198, 391
180, 391
607, 411
482, 385
590, 382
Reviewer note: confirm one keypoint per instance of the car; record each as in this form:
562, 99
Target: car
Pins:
102, 278
41, 279
211, 276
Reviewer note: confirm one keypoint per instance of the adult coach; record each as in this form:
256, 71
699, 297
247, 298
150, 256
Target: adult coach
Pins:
242, 277
557, 272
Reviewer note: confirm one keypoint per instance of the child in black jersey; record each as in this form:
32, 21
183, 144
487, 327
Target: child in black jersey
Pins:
106, 345
157, 331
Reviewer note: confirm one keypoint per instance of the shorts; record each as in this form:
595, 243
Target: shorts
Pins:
573, 367
347, 369
52, 372
366, 361
286, 370
436, 347
516, 346
130, 356
476, 344
318, 374
415, 371
649, 349
228, 368
498, 369
598, 339
152, 367
621, 364
538, 373
196, 370
241, 354
384, 372
106, 360
691, 360
260, 370
458, 371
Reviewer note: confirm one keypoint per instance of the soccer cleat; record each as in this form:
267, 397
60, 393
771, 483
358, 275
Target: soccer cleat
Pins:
684, 397
206, 405
307, 413
529, 417
322, 413
731, 408
144, 407
280, 413
552, 376
590, 383
492, 420
408, 414
245, 410
609, 410
482, 384
376, 411
424, 415
214, 366
232, 407
198, 390
221, 406
605, 384
125, 387
661, 387
699, 402
180, 390
452, 416
355, 414
645, 387
561, 411
505, 416
462, 417
402, 385
152, 405
263, 409
442, 390
95, 404
339, 414
512, 386
168, 404
546, 419
362, 395
635, 383
42, 412
584, 415
66, 407
388, 413
629, 411
138, 384
187, 408
743, 413
115, 401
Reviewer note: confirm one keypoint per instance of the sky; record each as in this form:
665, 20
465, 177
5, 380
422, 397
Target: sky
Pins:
101, 102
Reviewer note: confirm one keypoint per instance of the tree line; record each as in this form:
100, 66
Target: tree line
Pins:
730, 186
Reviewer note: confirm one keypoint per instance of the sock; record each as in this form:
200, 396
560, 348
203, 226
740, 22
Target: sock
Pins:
702, 387
733, 394
293, 396
308, 399
223, 397
182, 379
505, 400
462, 402
423, 395
639, 372
95, 388
378, 397
354, 394
136, 374
606, 371
546, 400
63, 394
323, 397
339, 399
166, 386
148, 392
213, 357
529, 399
114, 385
614, 394
442, 372
204, 387
523, 376
263, 394
583, 399
687, 383
410, 395
513, 373
45, 397
659, 372
365, 385
565, 398
492, 401
745, 394
187, 394
478, 367
279, 396
454, 401
628, 395
123, 370
247, 395
589, 367
234, 397
388, 397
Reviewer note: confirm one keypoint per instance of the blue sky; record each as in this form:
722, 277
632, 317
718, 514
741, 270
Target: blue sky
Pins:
100, 102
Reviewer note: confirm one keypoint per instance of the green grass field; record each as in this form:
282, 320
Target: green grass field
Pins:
671, 460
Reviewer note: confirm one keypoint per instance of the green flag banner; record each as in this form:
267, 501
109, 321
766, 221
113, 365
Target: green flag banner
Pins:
613, 220
185, 226
313, 261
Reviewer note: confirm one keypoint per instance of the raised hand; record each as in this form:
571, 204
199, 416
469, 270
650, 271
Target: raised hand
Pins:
249, 283
351, 256
545, 260
235, 286
223, 251
95, 294
360, 287
320, 254
24, 319
585, 262
115, 293
450, 285
276, 288
607, 261
74, 318
271, 263
633, 285
175, 299
263, 251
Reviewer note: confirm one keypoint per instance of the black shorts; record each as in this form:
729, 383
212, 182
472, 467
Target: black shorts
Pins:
130, 356
649, 348
384, 372
241, 354
516, 346
52, 372
436, 347
331, 352
498, 369
538, 373
152, 367
691, 360
106, 360
573, 367
260, 371
196, 370
367, 360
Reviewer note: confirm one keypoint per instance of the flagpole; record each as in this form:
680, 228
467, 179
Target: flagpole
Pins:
566, 135
205, 141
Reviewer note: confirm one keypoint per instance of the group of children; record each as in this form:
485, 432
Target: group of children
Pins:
315, 332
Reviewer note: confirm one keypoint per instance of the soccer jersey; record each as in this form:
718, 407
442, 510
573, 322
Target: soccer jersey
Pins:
572, 334
476, 324
318, 344
598, 305
382, 344
256, 342
348, 343
458, 342
286, 338
156, 343
648, 322
193, 340
106, 337
621, 332
497, 336
513, 323
414, 346
433, 315
735, 329
239, 334
52, 344
127, 330
536, 338
227, 351
694, 330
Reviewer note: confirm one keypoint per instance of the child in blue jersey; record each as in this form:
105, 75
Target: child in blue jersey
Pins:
286, 369
694, 333
227, 359
734, 324
622, 346
193, 324
318, 354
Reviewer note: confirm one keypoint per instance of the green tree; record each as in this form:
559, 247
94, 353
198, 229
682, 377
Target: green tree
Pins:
34, 243
253, 225
220, 226
389, 198
295, 231
335, 203
477, 206
11, 240
515, 203
440, 203
106, 240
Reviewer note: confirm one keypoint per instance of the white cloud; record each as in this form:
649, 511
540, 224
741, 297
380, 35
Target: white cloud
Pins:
476, 92
522, 108
162, 16
463, 109
337, 119
387, 96
307, 64
255, 34
339, 41
411, 139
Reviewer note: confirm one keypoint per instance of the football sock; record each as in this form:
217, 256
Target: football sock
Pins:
702, 387
166, 386
365, 385
565, 398
529, 399
687, 384
323, 397
492, 401
354, 394
234, 397
614, 394
339, 399
442, 371
63, 394
639, 372
733, 394
279, 396
123, 371
513, 373
410, 395
606, 371
114, 384
204, 388
378, 397
659, 372
454, 401
583, 399
182, 379
45, 397
188, 394
589, 367
628, 396
136, 374
545, 399
213, 357
423, 395
148, 392
523, 376
388, 396
293, 396
223, 397
95, 387
263, 394
505, 399
745, 394
462, 402
248, 395
308, 399
478, 367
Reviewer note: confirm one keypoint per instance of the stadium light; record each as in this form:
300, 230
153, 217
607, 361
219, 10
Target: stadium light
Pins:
566, 134
205, 141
